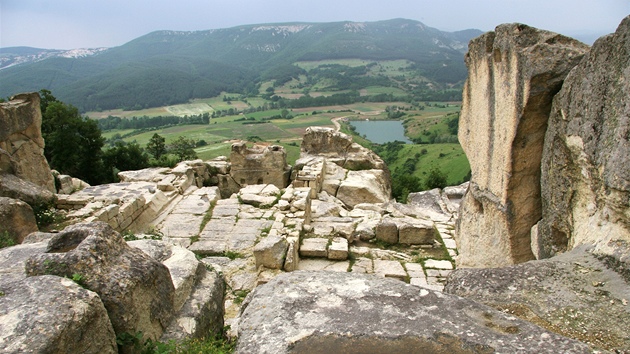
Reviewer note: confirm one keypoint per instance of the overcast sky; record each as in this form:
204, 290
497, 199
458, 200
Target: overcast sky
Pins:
67, 24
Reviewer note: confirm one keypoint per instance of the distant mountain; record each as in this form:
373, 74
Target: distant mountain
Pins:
24, 55
168, 67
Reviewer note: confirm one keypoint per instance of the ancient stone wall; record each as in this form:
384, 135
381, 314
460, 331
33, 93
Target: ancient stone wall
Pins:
259, 165
586, 160
514, 72
21, 142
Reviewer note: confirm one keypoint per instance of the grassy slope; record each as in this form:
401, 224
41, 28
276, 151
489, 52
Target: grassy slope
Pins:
419, 123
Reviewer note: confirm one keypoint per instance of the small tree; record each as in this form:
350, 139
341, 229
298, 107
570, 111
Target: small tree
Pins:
183, 148
156, 146
124, 157
435, 179
73, 143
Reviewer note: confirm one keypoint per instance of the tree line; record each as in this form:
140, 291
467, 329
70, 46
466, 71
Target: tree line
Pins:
75, 146
144, 122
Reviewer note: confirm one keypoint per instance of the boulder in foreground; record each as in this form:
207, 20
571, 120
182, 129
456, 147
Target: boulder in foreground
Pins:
329, 312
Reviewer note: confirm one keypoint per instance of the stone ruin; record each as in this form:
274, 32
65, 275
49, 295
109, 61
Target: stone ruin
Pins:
324, 214
331, 264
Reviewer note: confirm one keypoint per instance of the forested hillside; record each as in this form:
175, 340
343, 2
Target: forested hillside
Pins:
169, 67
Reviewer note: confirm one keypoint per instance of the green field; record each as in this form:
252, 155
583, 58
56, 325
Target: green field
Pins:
449, 158
419, 124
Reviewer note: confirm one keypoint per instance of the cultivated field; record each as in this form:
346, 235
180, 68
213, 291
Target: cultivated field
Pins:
221, 132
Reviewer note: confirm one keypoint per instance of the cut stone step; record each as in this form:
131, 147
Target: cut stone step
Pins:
314, 247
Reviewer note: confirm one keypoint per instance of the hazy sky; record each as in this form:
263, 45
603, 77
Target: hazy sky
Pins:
66, 24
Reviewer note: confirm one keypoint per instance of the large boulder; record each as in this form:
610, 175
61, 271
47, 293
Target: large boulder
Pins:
50, 314
21, 142
368, 186
514, 72
14, 187
339, 148
136, 290
199, 292
586, 159
17, 218
575, 294
339, 312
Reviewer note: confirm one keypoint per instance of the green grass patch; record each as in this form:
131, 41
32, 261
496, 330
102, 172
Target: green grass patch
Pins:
6, 240
449, 158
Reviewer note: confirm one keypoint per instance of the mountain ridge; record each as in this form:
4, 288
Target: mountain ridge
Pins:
203, 63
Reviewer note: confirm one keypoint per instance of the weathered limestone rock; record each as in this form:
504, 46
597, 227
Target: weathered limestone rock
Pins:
49, 314
431, 199
314, 247
574, 294
338, 249
271, 252
181, 263
259, 165
12, 260
14, 187
339, 148
21, 142
389, 269
259, 195
368, 186
68, 184
17, 218
586, 159
136, 290
202, 314
387, 231
416, 232
330, 312
198, 299
514, 72
293, 257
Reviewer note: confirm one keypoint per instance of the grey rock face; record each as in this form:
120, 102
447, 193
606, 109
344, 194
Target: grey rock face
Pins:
12, 186
585, 166
329, 312
17, 218
574, 294
271, 252
202, 313
136, 290
21, 142
514, 72
49, 314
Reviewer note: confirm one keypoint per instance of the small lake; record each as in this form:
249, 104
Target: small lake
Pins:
381, 131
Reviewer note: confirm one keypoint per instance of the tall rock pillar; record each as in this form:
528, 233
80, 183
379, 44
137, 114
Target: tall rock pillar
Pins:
21, 142
513, 74
586, 161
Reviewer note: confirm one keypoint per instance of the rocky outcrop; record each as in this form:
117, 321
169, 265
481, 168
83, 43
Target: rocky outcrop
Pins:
49, 314
17, 218
324, 312
339, 148
21, 142
586, 159
136, 290
14, 187
575, 294
331, 162
199, 292
514, 72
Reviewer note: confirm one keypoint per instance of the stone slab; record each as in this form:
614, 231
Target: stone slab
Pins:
389, 269
330, 312
314, 247
338, 249
438, 264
